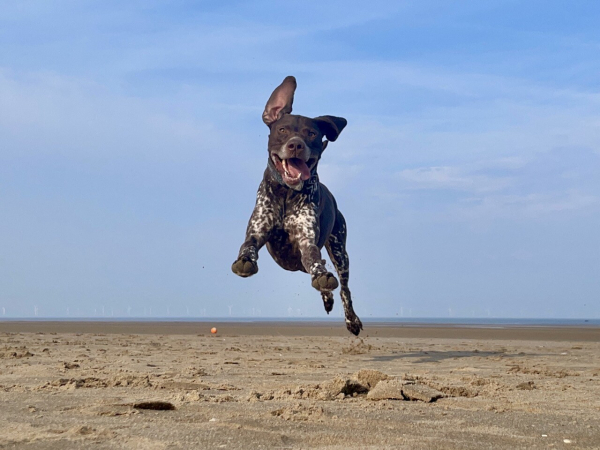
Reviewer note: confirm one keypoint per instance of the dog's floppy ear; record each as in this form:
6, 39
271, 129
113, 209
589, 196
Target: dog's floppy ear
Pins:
280, 101
330, 126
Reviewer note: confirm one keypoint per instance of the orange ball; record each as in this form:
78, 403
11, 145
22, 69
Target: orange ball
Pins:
213, 330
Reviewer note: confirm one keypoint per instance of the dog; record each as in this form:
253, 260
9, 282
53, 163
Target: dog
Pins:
295, 215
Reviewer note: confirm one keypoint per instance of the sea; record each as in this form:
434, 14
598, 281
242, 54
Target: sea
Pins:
382, 321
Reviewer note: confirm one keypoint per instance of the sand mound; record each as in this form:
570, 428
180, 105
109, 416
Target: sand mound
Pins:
365, 383
299, 412
93, 382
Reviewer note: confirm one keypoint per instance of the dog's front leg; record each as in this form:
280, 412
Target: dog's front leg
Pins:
303, 228
261, 223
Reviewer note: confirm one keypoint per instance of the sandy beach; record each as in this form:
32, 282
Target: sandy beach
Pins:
163, 385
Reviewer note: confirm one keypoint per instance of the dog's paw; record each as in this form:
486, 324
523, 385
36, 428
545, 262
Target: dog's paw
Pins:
244, 267
327, 301
354, 324
325, 282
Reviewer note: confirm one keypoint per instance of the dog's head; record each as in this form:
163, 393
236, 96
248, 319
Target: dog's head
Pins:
296, 142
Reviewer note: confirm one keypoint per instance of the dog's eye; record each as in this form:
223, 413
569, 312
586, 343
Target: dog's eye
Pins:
312, 134
282, 130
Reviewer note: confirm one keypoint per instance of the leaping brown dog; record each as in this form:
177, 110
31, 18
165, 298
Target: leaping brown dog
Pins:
295, 214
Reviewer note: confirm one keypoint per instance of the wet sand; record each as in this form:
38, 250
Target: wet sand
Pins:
581, 333
73, 385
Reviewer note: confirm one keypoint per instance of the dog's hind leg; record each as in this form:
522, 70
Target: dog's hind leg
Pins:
336, 248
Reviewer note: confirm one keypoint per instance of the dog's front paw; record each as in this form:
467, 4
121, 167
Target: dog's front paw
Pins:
325, 282
244, 267
353, 324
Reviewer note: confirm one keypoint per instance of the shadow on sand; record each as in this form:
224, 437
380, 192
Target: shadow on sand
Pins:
433, 356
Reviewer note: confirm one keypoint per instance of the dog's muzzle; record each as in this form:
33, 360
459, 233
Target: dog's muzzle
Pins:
291, 162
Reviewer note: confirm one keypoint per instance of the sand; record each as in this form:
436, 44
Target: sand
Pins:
75, 385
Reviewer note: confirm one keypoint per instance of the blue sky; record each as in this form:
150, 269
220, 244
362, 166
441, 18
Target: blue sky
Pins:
131, 147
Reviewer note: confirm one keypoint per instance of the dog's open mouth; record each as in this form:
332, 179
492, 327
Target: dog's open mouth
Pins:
293, 170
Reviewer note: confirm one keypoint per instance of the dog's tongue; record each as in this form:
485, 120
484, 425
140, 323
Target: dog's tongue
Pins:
297, 166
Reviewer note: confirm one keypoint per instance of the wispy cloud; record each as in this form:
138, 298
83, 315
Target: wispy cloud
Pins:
524, 206
513, 187
48, 113
452, 178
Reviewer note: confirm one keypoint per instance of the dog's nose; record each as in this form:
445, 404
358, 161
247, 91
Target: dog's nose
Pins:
295, 146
